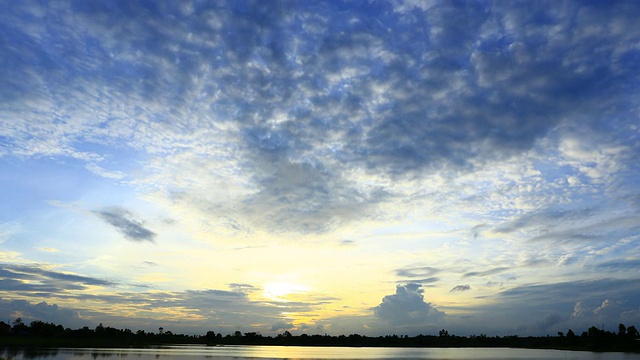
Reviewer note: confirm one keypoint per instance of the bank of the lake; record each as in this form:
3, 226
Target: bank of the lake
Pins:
45, 335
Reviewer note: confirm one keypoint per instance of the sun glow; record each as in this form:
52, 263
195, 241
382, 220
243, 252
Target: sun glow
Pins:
280, 290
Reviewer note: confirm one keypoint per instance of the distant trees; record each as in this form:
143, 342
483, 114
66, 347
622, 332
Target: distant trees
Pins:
4, 328
39, 333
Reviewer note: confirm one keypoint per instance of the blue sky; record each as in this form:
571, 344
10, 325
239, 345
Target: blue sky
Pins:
321, 167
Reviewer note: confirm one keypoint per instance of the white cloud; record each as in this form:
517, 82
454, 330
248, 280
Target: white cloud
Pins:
407, 308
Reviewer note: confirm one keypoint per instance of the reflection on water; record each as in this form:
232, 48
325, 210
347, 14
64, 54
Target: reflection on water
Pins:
190, 352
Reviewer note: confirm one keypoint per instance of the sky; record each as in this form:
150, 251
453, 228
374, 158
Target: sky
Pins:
321, 167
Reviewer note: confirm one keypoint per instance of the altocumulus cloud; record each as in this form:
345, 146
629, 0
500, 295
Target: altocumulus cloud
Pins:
125, 222
296, 101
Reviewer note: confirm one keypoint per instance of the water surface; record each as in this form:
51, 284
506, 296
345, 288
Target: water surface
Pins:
187, 352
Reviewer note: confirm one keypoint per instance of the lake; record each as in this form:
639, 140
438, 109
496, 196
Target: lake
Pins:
187, 352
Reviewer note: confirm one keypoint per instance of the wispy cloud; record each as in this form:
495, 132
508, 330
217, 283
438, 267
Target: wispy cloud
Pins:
493, 271
460, 288
618, 265
38, 279
125, 222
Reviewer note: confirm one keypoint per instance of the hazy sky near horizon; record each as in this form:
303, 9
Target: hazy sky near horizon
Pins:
321, 167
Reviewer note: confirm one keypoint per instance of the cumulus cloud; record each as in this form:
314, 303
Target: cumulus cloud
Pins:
407, 307
125, 222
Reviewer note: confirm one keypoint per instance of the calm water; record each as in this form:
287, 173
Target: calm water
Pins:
294, 352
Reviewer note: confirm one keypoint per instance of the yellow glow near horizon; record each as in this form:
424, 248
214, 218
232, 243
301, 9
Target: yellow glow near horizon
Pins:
277, 291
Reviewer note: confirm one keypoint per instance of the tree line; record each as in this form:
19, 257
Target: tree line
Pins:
43, 334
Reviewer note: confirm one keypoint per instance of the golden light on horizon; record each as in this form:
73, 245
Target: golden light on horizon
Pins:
278, 291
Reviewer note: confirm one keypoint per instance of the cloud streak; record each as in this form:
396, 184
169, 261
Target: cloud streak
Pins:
124, 221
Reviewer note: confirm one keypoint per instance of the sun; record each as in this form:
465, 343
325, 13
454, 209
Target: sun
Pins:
279, 290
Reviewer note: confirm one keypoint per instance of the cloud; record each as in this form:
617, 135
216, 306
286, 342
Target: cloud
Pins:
618, 265
550, 321
416, 272
192, 311
290, 102
8, 230
41, 311
493, 271
126, 224
610, 311
460, 288
407, 307
539, 309
39, 280
429, 280
244, 288
567, 291
282, 325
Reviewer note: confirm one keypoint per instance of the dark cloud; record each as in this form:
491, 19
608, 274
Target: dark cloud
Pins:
55, 275
413, 275
230, 310
407, 307
416, 272
550, 321
429, 280
618, 265
126, 224
37, 280
19, 286
460, 288
571, 292
493, 271
40, 311
281, 326
244, 288
540, 309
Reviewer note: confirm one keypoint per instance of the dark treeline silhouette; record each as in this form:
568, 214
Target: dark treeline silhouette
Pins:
42, 334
